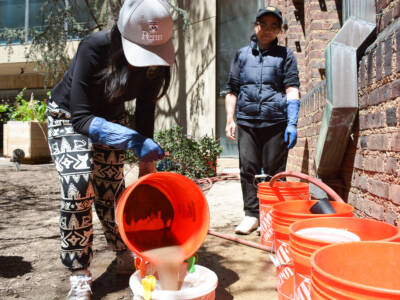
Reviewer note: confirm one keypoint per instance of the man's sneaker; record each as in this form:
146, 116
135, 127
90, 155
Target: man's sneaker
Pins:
247, 225
125, 262
81, 281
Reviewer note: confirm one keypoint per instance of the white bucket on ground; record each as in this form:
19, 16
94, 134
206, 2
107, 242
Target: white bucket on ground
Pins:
199, 285
328, 234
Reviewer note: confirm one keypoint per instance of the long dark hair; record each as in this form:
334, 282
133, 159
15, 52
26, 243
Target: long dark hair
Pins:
118, 71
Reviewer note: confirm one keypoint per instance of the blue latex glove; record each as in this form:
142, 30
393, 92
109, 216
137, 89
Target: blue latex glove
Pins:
291, 129
111, 134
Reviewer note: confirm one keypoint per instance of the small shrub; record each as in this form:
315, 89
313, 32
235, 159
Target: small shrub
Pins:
23, 110
194, 159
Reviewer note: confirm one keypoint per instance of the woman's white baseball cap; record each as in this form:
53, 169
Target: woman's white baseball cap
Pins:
146, 28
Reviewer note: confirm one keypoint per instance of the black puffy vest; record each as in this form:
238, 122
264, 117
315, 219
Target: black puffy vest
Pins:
262, 93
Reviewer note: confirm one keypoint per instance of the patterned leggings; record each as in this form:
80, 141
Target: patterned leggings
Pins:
88, 174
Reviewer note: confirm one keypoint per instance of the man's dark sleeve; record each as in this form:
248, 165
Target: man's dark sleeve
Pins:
290, 70
233, 84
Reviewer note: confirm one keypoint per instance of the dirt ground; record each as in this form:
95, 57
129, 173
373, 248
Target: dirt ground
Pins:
30, 267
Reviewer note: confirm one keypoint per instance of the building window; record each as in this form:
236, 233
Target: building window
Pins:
26, 14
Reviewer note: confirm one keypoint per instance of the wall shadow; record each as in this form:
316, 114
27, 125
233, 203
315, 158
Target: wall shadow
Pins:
193, 58
348, 170
299, 13
306, 158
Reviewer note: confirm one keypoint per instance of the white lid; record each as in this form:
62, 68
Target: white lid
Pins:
328, 234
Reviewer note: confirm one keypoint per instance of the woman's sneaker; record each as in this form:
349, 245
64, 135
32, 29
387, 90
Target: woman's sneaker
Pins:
248, 225
81, 282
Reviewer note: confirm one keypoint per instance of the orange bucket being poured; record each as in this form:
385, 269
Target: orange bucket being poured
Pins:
161, 210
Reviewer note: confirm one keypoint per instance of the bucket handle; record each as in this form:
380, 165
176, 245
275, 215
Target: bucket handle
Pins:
287, 183
330, 192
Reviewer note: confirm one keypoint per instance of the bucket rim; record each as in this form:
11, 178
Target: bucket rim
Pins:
293, 231
276, 208
363, 288
182, 294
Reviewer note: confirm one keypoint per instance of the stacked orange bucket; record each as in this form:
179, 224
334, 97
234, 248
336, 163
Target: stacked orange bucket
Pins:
307, 236
269, 195
285, 214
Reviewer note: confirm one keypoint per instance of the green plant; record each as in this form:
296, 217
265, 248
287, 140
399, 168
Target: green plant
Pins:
194, 159
24, 110
4, 112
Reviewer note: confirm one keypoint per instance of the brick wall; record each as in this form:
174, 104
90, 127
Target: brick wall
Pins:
370, 172
311, 25
301, 158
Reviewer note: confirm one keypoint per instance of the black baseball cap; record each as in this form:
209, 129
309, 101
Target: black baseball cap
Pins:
269, 10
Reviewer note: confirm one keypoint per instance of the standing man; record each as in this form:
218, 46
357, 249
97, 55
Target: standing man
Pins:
263, 91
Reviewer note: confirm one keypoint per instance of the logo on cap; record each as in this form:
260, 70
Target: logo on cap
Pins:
271, 8
150, 32
153, 27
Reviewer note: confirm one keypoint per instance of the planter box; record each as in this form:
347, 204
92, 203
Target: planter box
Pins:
31, 137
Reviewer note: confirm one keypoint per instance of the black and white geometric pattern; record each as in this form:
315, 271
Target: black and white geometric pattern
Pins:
88, 174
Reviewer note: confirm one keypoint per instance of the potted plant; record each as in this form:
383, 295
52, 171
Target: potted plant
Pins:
26, 129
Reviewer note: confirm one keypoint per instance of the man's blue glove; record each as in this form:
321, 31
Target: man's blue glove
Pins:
291, 129
111, 134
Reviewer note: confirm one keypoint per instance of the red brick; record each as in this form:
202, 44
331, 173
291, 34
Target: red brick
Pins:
374, 209
362, 73
387, 18
373, 97
372, 120
394, 193
385, 93
378, 62
378, 188
379, 142
363, 183
388, 56
398, 48
370, 67
395, 142
391, 217
373, 164
358, 161
363, 101
396, 11
395, 89
392, 166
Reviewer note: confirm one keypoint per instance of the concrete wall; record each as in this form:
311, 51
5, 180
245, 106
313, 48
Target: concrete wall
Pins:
191, 101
